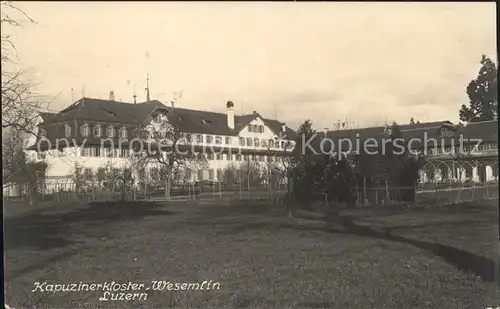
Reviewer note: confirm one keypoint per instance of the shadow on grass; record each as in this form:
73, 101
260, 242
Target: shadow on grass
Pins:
12, 273
463, 260
44, 231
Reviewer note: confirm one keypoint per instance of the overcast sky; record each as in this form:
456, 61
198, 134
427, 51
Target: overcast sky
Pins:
318, 61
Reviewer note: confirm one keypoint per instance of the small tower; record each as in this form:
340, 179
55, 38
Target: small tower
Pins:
148, 97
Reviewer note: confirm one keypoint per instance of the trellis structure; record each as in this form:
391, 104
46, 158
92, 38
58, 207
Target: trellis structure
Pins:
460, 171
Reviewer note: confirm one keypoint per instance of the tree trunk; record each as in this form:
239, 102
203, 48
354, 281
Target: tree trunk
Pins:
30, 194
168, 184
289, 201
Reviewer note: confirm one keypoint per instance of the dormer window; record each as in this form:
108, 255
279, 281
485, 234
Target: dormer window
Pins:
255, 128
97, 130
67, 130
111, 131
199, 138
446, 132
43, 132
84, 130
218, 140
123, 132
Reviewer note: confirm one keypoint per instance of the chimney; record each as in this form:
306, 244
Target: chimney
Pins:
255, 112
230, 114
111, 95
325, 131
283, 127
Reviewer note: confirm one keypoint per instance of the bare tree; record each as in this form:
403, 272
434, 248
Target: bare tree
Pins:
280, 148
20, 103
18, 169
168, 148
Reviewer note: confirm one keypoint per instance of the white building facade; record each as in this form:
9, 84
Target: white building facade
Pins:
93, 134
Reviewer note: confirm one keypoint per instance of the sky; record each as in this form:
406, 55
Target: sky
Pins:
367, 62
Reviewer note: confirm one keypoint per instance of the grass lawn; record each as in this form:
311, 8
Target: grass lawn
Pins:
421, 258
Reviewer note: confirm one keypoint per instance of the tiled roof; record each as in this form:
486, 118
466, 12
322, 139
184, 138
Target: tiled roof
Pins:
486, 131
188, 120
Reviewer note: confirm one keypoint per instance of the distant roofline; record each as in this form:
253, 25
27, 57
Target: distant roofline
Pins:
155, 101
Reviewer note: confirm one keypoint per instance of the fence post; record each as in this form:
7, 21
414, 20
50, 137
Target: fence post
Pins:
357, 194
93, 188
240, 172
487, 193
473, 188
220, 190
387, 196
437, 192
213, 191
365, 198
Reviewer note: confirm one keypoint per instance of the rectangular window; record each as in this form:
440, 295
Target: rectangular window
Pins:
97, 152
200, 175
256, 142
218, 157
97, 131
85, 130
123, 133
199, 138
249, 141
209, 139
263, 142
249, 128
111, 132
211, 174
242, 141
218, 140
228, 141
237, 157
67, 130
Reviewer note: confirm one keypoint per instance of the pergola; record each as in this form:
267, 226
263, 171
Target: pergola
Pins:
455, 166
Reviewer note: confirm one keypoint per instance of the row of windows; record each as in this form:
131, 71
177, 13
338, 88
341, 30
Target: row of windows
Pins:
255, 128
96, 131
466, 148
445, 132
125, 153
209, 139
243, 141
